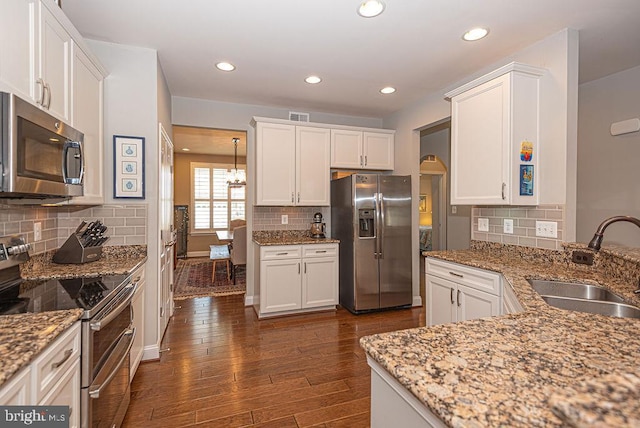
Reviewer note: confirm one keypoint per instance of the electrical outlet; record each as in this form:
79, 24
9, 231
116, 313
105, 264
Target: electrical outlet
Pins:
508, 225
284, 218
483, 224
582, 257
37, 231
547, 229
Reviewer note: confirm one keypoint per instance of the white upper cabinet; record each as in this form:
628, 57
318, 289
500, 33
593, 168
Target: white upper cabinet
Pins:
292, 165
313, 175
87, 117
53, 65
275, 164
346, 149
495, 128
362, 149
17, 50
378, 150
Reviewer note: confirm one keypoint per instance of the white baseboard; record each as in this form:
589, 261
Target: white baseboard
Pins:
417, 301
197, 254
151, 352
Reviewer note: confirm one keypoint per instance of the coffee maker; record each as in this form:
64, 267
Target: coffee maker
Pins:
318, 228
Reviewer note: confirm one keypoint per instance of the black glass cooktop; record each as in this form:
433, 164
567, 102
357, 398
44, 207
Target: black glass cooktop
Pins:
90, 294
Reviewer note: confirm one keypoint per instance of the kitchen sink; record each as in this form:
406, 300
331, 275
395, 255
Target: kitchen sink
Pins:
611, 309
574, 290
580, 297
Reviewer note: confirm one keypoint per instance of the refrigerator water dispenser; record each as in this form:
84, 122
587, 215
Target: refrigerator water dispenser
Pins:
365, 223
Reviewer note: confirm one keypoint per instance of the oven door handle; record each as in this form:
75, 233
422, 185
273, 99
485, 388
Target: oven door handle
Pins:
94, 391
98, 324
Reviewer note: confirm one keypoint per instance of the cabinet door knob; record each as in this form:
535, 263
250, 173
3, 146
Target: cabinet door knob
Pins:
458, 298
452, 301
504, 185
456, 274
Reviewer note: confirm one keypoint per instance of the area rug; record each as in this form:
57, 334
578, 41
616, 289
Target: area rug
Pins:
193, 279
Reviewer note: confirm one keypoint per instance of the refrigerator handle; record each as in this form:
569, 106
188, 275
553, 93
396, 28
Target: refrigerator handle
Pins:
376, 227
381, 226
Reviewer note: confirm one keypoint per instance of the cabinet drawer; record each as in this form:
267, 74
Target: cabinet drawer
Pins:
319, 250
48, 368
280, 252
471, 277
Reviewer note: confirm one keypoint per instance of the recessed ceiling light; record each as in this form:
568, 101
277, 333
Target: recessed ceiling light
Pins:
370, 8
388, 90
475, 34
225, 66
186, 150
313, 80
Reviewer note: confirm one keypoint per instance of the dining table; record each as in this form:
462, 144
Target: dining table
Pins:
224, 235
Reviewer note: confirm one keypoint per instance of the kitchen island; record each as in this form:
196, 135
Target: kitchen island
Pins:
539, 367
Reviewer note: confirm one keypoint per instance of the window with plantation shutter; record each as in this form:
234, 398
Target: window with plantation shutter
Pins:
214, 203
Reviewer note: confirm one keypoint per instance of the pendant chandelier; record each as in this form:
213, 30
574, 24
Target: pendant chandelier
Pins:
236, 178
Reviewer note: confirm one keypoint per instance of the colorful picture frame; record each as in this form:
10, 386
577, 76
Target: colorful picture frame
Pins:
128, 167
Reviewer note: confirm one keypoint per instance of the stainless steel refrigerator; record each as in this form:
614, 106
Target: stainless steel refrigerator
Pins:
371, 216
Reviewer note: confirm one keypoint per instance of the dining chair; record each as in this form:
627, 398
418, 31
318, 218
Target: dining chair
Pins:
235, 223
238, 250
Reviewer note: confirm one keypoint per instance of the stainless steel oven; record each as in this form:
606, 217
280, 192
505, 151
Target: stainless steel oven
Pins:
41, 157
107, 338
107, 332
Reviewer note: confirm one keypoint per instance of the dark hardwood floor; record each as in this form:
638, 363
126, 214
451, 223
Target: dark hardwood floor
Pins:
226, 368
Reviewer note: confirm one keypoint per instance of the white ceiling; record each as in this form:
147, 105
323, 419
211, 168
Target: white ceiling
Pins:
415, 45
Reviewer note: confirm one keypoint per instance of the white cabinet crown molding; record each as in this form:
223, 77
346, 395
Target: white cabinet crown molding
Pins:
257, 119
513, 66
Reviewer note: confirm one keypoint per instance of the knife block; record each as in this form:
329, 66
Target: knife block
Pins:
72, 251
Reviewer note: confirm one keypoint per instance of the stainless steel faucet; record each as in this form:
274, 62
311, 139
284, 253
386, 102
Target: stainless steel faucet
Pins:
595, 242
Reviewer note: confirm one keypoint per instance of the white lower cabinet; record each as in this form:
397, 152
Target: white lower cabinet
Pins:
459, 293
53, 378
17, 391
297, 278
392, 405
67, 393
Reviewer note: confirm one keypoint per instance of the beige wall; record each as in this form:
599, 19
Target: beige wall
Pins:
197, 244
608, 179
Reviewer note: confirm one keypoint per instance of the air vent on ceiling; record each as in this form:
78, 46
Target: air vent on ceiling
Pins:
299, 117
430, 158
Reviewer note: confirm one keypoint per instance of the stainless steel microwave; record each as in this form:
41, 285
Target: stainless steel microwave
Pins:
41, 156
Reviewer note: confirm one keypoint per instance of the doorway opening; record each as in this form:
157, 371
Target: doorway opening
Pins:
204, 160
432, 206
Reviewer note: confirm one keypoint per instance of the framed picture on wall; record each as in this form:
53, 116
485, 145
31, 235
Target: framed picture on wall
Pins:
422, 204
128, 167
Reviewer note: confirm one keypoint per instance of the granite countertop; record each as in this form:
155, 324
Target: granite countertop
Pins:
24, 336
540, 367
114, 260
289, 237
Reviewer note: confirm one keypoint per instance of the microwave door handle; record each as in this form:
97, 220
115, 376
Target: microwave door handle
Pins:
65, 163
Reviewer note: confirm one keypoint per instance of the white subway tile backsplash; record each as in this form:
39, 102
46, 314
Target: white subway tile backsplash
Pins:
524, 218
